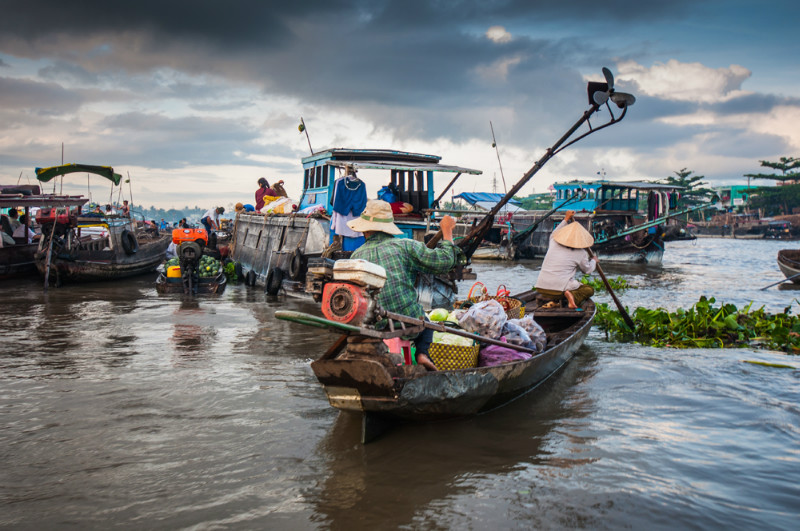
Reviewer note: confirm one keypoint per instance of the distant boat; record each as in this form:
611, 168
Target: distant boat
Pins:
79, 247
19, 259
789, 264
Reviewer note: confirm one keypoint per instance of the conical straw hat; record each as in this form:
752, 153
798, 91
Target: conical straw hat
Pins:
574, 235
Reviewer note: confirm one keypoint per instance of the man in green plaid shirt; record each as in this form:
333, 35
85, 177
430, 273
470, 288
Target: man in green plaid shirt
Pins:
403, 259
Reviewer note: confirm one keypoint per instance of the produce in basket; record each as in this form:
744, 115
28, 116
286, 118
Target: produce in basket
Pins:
439, 314
452, 339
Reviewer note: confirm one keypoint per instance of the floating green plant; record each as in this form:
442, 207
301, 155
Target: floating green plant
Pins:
617, 284
230, 272
704, 326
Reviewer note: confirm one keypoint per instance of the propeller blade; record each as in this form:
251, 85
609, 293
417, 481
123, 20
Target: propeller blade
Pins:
623, 99
609, 78
600, 97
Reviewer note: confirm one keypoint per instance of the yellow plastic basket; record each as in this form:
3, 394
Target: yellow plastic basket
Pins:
450, 357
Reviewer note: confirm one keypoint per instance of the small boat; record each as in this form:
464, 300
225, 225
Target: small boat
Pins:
384, 393
79, 247
204, 286
19, 259
789, 264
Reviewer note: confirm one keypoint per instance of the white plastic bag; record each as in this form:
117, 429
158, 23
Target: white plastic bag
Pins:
484, 318
534, 330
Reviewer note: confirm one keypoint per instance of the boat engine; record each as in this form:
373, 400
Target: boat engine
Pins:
189, 254
351, 296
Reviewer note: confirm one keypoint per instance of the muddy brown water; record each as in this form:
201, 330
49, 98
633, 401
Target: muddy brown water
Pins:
120, 408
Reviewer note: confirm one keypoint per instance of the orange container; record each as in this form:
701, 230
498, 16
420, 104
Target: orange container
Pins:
180, 236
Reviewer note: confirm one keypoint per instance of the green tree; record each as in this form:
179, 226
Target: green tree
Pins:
776, 199
786, 165
694, 192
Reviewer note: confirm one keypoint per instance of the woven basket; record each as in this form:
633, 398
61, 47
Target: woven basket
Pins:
516, 309
450, 357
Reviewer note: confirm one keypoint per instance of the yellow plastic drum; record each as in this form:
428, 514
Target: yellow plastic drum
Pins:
174, 272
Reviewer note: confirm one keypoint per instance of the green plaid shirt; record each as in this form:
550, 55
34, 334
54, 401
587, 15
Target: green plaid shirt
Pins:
403, 258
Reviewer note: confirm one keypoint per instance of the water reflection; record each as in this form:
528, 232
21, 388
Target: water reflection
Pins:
437, 462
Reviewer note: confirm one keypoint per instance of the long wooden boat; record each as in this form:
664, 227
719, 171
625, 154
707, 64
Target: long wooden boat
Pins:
383, 392
19, 259
88, 247
789, 264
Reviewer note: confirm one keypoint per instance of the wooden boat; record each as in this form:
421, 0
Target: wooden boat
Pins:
383, 392
19, 259
789, 264
87, 246
204, 286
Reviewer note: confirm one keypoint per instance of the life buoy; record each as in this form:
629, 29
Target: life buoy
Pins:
129, 242
296, 265
274, 281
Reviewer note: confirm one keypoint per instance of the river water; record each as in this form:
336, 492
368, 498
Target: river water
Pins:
123, 408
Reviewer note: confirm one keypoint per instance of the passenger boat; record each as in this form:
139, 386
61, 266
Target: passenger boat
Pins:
383, 393
79, 247
295, 252
609, 210
789, 264
19, 259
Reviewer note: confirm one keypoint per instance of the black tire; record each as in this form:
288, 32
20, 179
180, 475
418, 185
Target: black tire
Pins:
212, 240
274, 281
129, 242
250, 279
237, 269
296, 265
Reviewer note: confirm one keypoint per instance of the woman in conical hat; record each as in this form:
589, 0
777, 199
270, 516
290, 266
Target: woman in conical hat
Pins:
565, 256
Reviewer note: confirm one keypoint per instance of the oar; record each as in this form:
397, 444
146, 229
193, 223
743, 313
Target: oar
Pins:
620, 307
781, 281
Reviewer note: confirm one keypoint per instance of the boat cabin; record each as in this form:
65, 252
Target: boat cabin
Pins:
616, 197
410, 174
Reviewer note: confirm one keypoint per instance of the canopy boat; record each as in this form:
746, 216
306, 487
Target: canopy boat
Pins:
19, 259
383, 392
78, 246
789, 264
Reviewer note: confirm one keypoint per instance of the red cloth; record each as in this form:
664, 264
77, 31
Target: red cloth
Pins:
260, 193
397, 207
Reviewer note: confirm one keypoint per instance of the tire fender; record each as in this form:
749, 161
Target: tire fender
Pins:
129, 242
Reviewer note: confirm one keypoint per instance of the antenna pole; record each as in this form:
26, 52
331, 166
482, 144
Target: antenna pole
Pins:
304, 129
494, 145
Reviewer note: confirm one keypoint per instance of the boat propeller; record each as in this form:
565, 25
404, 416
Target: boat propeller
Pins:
600, 93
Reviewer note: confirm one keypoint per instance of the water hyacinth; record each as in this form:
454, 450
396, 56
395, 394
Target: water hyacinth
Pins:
617, 284
704, 326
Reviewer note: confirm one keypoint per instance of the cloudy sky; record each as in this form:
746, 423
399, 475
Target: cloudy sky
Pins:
196, 100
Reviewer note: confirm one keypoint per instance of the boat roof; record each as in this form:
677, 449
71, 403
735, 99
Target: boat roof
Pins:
636, 185
484, 197
47, 174
384, 159
46, 200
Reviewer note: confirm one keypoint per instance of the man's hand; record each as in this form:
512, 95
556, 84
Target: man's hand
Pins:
569, 215
446, 225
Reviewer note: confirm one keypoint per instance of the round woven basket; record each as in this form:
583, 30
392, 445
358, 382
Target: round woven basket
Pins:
516, 310
451, 357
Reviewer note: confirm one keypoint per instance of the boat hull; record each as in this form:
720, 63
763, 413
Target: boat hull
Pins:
18, 260
366, 386
205, 286
789, 264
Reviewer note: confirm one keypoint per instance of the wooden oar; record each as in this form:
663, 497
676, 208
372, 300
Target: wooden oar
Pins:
620, 307
781, 281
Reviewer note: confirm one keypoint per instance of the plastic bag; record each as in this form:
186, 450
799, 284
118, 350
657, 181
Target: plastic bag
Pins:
452, 339
497, 355
388, 194
455, 315
516, 335
534, 330
484, 318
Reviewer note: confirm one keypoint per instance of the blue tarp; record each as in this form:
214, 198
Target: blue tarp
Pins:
483, 197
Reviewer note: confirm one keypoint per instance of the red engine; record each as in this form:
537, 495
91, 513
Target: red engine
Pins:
345, 303
48, 215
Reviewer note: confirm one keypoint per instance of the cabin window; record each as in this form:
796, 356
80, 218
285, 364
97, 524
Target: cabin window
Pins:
306, 182
318, 177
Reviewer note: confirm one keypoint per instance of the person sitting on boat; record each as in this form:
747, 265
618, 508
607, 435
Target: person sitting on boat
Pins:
210, 219
265, 194
403, 259
13, 220
241, 207
23, 230
566, 255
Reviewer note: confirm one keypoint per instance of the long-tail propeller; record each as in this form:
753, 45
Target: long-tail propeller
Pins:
600, 93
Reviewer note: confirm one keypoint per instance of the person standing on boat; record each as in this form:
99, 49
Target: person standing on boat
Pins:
210, 219
403, 259
125, 210
263, 193
566, 255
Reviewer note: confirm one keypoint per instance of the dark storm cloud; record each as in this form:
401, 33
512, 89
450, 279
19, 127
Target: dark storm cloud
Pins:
753, 103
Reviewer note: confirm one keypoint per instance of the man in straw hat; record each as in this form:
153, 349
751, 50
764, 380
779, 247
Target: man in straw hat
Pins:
403, 259
566, 254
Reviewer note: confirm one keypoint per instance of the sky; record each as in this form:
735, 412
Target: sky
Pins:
194, 101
